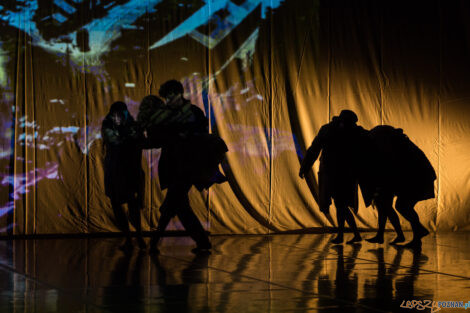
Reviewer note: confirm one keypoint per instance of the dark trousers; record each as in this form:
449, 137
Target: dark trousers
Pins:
343, 214
176, 203
134, 216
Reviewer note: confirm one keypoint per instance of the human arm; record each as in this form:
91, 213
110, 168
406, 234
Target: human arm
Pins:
109, 133
313, 152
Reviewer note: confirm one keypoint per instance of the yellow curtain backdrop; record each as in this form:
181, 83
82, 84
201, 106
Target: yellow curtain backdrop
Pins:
268, 75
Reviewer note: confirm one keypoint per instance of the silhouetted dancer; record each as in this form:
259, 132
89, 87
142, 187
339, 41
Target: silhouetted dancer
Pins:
340, 142
190, 156
373, 179
123, 175
403, 171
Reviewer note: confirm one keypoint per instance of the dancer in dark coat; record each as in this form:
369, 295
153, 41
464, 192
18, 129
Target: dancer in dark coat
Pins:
340, 142
190, 156
400, 169
123, 175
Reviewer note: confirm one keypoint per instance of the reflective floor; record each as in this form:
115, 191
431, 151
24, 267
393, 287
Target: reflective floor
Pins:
279, 273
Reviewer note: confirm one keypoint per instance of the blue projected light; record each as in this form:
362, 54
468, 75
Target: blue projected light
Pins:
83, 34
208, 13
65, 6
117, 15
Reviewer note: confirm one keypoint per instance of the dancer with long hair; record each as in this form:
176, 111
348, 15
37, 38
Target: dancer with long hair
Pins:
123, 177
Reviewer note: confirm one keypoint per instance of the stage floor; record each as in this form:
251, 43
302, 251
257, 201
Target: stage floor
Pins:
278, 273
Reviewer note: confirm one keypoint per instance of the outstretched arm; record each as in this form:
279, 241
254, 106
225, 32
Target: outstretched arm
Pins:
312, 153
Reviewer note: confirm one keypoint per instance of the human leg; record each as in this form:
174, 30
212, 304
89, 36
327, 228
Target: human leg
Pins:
194, 227
352, 223
166, 214
341, 208
385, 210
122, 222
393, 217
135, 219
382, 201
406, 208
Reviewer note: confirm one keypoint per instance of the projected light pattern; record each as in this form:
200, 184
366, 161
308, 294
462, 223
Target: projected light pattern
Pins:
23, 182
98, 33
235, 14
84, 30
67, 31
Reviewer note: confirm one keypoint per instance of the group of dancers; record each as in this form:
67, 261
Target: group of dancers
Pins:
383, 161
189, 156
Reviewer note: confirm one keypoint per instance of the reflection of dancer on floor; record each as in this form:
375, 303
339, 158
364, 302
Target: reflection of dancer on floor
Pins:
190, 156
346, 280
177, 285
339, 142
393, 282
402, 170
123, 176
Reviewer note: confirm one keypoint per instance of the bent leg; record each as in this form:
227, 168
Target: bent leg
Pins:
406, 208
189, 220
194, 227
166, 214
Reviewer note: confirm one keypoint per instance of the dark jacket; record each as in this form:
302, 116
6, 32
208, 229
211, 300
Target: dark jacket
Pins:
123, 174
189, 153
401, 168
178, 150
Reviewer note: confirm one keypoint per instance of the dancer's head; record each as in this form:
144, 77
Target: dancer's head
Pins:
118, 112
151, 101
148, 106
347, 118
171, 90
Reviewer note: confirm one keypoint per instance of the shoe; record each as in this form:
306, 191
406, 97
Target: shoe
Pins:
422, 232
